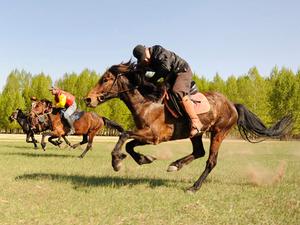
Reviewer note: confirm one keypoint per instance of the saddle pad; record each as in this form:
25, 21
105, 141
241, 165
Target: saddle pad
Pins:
201, 103
77, 115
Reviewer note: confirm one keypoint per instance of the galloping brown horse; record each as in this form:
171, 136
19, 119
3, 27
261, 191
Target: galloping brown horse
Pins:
154, 124
87, 124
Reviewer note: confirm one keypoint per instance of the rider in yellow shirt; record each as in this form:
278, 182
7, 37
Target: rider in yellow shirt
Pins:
66, 101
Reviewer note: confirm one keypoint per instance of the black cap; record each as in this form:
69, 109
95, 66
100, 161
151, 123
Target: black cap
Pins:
139, 53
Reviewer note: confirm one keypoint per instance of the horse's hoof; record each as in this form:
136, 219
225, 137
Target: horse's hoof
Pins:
172, 169
191, 191
149, 158
117, 166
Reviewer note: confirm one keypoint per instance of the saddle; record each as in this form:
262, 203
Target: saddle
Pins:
75, 116
173, 105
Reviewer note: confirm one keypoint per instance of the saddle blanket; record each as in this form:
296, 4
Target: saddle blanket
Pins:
77, 115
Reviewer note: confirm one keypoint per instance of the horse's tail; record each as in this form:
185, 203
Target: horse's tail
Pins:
251, 127
111, 124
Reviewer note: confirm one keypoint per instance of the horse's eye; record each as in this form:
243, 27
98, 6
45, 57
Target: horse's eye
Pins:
105, 80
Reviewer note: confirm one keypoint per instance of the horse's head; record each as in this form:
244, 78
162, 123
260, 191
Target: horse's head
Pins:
112, 83
41, 107
15, 115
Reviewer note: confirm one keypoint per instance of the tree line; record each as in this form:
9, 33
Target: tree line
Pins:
270, 97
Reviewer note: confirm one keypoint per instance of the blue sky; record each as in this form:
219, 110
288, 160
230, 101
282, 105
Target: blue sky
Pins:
228, 37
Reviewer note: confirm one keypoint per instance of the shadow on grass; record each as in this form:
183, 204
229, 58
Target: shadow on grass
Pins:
29, 146
94, 181
34, 155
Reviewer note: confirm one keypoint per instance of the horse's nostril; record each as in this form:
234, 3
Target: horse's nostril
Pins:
100, 98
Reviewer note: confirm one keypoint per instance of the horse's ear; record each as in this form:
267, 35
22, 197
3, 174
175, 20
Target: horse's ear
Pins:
49, 104
33, 98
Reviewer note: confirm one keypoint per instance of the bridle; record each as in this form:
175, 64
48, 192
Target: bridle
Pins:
111, 94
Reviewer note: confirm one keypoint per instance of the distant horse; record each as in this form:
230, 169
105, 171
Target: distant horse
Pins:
32, 126
85, 123
24, 122
155, 124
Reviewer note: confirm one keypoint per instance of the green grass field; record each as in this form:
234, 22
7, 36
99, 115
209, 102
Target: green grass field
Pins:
251, 184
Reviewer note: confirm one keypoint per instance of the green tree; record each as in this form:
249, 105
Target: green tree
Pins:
284, 95
40, 85
11, 99
259, 95
217, 84
201, 82
231, 89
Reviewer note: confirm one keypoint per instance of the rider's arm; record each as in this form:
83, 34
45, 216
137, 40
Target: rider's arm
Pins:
62, 99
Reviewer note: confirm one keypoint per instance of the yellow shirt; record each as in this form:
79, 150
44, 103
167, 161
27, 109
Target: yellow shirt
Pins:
62, 99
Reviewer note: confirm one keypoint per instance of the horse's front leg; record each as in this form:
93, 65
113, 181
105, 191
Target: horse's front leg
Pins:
138, 157
33, 140
116, 154
56, 142
43, 143
142, 137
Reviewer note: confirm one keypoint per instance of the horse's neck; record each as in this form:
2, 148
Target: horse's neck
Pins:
137, 104
22, 120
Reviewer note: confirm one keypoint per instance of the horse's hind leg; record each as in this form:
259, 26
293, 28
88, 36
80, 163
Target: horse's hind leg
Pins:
198, 151
84, 141
216, 140
139, 158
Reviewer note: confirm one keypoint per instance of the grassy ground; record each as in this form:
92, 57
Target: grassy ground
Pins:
251, 184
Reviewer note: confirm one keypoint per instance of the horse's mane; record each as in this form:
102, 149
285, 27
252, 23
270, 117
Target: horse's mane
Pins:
22, 113
137, 78
48, 102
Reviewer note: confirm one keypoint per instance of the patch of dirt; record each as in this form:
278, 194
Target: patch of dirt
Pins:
262, 176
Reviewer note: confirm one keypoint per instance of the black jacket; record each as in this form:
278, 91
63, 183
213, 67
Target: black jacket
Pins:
165, 63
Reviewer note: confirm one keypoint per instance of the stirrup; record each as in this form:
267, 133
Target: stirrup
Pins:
71, 131
195, 132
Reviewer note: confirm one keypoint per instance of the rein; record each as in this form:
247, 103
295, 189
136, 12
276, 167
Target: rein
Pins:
42, 118
105, 96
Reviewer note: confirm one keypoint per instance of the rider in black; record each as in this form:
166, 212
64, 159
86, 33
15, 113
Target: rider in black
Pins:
175, 71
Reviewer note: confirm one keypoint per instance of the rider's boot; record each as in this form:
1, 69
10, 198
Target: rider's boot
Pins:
196, 125
72, 129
